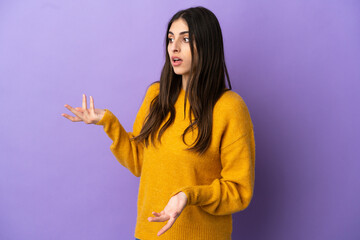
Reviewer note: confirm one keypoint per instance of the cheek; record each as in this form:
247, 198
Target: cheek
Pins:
188, 54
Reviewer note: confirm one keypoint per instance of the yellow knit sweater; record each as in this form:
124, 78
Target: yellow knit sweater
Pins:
217, 184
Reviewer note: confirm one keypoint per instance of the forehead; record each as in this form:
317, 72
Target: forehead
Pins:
179, 25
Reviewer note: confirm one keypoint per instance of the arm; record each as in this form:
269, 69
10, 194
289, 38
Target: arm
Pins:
232, 192
128, 152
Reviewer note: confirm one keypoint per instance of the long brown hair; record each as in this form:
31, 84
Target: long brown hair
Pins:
205, 86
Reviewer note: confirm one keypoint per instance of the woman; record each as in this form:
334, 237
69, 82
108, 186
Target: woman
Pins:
192, 143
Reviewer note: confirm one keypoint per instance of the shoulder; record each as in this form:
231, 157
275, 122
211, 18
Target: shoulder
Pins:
154, 87
232, 113
152, 91
231, 103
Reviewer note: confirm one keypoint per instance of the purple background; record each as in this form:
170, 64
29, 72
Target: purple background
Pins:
295, 63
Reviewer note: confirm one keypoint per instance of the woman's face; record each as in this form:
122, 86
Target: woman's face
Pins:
179, 47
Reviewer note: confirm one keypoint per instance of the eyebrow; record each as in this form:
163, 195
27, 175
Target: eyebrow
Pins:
184, 32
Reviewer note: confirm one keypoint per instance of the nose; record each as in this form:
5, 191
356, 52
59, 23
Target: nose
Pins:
174, 46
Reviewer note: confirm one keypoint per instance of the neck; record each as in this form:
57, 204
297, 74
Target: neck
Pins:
185, 79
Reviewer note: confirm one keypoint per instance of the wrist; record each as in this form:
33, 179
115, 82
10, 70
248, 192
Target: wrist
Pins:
183, 195
99, 115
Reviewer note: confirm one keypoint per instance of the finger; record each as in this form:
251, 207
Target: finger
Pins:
79, 109
167, 226
92, 107
71, 118
156, 214
77, 113
84, 103
161, 218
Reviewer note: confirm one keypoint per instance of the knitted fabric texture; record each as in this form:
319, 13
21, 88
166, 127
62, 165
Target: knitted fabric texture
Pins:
218, 183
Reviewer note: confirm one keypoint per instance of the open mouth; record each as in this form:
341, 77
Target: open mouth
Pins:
176, 61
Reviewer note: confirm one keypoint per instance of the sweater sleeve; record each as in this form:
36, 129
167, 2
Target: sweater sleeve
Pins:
127, 151
233, 191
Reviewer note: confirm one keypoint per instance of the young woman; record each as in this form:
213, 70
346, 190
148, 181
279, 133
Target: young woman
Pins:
192, 143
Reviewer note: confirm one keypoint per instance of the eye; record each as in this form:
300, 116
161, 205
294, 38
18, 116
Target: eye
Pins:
186, 39
171, 39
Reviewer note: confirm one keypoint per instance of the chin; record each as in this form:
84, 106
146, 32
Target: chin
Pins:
179, 72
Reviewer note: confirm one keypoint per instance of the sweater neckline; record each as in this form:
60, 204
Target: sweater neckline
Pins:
182, 92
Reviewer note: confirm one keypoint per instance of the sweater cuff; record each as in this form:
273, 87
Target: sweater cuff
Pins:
186, 193
108, 116
195, 194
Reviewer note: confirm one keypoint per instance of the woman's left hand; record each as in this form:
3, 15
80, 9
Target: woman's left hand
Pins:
171, 212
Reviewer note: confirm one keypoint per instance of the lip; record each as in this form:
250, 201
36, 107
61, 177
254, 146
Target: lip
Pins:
177, 63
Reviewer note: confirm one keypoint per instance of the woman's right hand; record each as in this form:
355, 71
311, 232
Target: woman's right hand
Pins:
89, 116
